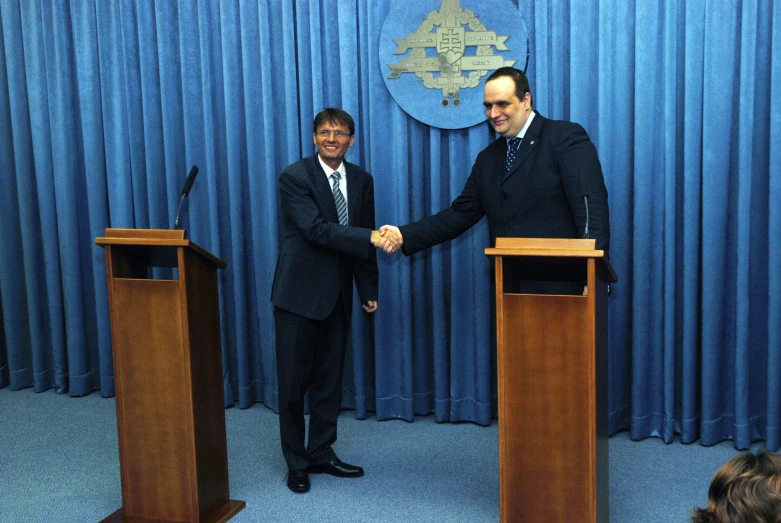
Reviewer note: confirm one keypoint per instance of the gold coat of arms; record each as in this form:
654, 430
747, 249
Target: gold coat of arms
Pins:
455, 31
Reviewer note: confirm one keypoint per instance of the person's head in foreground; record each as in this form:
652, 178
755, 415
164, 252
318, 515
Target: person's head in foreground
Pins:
746, 489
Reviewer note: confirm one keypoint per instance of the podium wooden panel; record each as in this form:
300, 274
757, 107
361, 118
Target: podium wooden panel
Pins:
552, 379
168, 378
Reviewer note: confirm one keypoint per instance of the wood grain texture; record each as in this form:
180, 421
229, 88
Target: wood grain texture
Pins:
157, 445
202, 343
552, 385
168, 378
545, 411
160, 238
222, 514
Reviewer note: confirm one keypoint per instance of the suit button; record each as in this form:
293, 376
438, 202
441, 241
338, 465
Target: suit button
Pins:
509, 225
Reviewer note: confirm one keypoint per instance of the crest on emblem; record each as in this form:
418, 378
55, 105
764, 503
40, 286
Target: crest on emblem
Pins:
450, 40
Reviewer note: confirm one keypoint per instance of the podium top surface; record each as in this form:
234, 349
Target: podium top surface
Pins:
575, 248
553, 248
155, 238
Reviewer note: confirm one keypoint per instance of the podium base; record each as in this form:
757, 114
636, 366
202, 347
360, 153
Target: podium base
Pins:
222, 514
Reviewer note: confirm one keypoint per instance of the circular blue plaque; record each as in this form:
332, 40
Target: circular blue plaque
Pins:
436, 54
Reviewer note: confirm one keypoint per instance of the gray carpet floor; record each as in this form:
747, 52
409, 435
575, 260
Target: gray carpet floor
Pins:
59, 463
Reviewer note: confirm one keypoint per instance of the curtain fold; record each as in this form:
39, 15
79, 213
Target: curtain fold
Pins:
771, 381
104, 106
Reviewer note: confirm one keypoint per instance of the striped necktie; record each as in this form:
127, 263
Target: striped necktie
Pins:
341, 205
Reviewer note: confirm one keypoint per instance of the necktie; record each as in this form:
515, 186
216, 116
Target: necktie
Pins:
341, 205
512, 147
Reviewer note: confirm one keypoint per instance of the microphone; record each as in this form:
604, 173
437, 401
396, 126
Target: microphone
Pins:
190, 179
584, 195
185, 191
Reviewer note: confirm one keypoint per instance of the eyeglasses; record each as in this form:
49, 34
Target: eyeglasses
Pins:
327, 134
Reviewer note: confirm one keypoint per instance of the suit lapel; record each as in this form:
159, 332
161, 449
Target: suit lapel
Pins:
353, 192
322, 189
528, 144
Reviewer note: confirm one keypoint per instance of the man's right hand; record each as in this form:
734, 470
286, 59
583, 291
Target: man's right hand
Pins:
390, 239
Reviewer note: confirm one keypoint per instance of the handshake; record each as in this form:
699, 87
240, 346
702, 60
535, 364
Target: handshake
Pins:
388, 239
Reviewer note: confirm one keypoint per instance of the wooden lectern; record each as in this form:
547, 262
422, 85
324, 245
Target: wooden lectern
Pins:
173, 454
552, 379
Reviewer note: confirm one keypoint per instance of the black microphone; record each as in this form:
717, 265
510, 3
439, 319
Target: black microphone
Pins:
584, 195
190, 179
185, 191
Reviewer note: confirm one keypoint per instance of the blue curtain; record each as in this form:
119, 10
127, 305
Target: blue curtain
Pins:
104, 106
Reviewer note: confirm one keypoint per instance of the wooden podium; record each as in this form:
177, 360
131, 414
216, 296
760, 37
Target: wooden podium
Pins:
173, 454
552, 379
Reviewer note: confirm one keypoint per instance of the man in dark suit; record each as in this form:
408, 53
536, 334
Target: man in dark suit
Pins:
529, 183
328, 239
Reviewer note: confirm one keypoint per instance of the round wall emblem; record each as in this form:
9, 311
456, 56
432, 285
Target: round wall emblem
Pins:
435, 70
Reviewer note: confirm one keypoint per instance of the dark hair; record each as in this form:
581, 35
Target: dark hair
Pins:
521, 82
746, 489
334, 115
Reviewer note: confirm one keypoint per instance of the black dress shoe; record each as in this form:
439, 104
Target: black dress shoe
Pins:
298, 481
338, 468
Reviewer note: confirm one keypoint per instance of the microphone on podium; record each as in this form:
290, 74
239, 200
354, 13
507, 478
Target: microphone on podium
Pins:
185, 191
584, 195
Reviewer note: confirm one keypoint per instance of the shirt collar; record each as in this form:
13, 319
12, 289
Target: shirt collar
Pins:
328, 171
523, 129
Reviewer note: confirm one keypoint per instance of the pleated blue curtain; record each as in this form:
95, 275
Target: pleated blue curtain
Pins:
681, 99
104, 106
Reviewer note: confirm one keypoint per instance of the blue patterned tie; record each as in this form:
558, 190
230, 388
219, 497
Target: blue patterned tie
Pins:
341, 205
512, 147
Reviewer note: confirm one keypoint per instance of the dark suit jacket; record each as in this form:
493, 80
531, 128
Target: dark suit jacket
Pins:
318, 257
539, 198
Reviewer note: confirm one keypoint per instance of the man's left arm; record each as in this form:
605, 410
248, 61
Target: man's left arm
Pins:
365, 270
581, 173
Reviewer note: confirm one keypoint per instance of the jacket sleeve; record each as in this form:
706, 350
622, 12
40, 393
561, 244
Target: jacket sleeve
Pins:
298, 204
581, 173
365, 270
465, 211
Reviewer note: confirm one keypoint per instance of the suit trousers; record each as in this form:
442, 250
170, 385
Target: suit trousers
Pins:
310, 357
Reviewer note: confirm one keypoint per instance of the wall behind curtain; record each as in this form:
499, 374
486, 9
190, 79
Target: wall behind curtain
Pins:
104, 106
